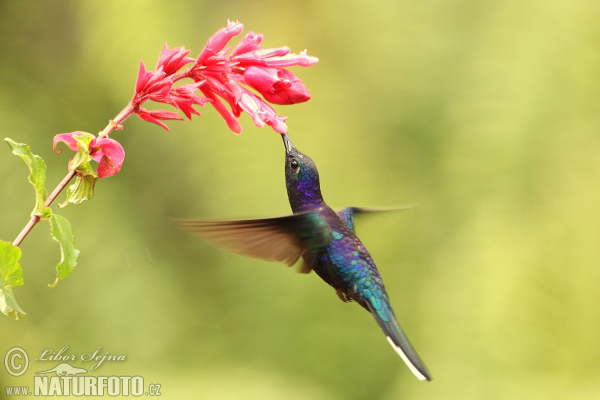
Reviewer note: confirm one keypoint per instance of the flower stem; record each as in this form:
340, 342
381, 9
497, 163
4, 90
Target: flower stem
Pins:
36, 218
116, 123
59, 188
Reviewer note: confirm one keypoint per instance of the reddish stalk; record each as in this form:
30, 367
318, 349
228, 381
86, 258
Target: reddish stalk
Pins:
116, 123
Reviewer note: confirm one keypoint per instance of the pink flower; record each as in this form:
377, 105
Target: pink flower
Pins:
277, 85
184, 97
153, 86
217, 41
107, 152
252, 65
224, 80
261, 112
229, 118
158, 87
155, 116
172, 61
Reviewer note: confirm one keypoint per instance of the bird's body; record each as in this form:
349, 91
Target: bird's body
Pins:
324, 239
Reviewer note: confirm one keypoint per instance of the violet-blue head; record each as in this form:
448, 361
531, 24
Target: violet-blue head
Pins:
301, 179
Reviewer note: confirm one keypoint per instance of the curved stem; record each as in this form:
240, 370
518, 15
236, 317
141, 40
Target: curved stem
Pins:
59, 188
36, 218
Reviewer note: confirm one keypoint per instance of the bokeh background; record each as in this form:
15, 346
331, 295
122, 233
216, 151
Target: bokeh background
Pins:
485, 113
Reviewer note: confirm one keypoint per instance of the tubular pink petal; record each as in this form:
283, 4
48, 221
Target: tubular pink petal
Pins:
301, 59
172, 60
188, 89
148, 118
217, 42
216, 85
230, 120
164, 56
278, 125
261, 78
277, 85
142, 78
261, 112
260, 56
162, 93
250, 104
186, 106
250, 42
158, 81
277, 52
155, 116
184, 97
165, 115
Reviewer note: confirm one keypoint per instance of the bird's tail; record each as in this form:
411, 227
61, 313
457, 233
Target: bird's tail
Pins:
400, 343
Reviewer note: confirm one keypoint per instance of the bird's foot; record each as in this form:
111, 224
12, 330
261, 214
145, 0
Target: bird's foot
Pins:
345, 298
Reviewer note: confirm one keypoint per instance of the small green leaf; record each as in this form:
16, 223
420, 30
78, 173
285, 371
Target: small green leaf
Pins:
63, 234
11, 275
81, 161
80, 190
83, 187
37, 176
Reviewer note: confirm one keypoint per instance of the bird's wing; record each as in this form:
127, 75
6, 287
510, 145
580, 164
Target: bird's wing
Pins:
273, 239
348, 213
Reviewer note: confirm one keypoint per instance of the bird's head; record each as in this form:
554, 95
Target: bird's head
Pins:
301, 177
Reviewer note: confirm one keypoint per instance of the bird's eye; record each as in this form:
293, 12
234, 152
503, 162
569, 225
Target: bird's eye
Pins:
294, 164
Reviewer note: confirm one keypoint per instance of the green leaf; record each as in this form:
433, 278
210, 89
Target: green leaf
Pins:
63, 234
83, 187
11, 275
81, 161
80, 190
37, 176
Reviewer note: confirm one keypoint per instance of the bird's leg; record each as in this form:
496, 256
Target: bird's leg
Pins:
345, 298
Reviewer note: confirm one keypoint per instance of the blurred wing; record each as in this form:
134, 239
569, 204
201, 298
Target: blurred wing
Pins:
272, 239
348, 213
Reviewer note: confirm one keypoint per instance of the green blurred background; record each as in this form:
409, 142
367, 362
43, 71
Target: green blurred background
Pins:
483, 112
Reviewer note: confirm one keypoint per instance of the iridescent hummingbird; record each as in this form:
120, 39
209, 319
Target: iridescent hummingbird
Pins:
324, 239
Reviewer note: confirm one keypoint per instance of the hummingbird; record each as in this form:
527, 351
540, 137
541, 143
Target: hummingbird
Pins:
326, 242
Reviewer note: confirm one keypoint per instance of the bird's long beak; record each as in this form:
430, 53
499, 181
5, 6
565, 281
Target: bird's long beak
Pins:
289, 146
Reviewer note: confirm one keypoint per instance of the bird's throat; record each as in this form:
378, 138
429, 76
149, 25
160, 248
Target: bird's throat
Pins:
304, 195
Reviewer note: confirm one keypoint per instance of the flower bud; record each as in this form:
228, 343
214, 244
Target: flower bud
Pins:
277, 85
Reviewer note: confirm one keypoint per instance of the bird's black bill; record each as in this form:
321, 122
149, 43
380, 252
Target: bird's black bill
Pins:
289, 146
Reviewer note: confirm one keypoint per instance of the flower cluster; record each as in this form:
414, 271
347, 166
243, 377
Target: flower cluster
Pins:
221, 76
250, 64
158, 87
